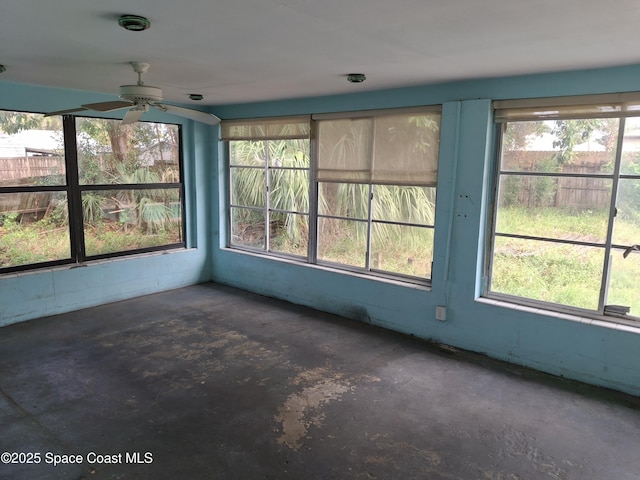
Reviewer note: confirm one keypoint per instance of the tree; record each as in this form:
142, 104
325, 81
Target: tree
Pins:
15, 122
570, 133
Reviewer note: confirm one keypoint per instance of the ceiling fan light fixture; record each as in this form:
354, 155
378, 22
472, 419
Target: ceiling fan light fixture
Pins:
134, 23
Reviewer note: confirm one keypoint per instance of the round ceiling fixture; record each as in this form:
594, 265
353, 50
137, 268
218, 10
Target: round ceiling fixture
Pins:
134, 23
196, 96
356, 77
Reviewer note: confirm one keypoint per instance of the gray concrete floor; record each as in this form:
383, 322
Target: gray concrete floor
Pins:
208, 382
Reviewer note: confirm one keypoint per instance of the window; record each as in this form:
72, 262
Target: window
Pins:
566, 223
76, 189
269, 168
363, 199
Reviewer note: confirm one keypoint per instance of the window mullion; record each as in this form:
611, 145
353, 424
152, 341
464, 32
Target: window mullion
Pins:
369, 228
612, 213
312, 248
370, 209
267, 206
74, 194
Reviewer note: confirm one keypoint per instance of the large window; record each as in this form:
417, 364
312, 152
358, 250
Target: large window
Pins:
566, 221
362, 199
75, 189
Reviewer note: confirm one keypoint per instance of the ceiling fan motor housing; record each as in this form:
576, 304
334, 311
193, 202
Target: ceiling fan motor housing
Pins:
140, 93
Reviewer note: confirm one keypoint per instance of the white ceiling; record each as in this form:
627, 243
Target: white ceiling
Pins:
235, 51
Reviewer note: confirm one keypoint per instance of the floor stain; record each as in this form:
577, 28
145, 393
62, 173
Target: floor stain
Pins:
303, 409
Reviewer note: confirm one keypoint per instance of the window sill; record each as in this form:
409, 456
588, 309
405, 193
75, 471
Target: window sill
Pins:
90, 263
371, 277
614, 323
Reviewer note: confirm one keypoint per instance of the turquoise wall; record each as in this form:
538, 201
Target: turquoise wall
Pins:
592, 351
595, 352
33, 294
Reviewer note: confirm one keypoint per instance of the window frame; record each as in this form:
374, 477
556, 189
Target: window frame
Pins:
74, 190
609, 106
314, 216
267, 210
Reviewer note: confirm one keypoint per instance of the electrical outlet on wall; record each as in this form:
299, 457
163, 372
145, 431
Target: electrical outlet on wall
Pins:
441, 313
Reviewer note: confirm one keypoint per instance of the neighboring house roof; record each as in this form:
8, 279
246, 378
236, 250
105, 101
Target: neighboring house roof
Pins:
10, 147
29, 142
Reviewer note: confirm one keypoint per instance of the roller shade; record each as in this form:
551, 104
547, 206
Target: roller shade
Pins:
276, 128
552, 108
392, 149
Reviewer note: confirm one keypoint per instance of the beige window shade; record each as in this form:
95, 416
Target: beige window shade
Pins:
587, 106
396, 149
276, 128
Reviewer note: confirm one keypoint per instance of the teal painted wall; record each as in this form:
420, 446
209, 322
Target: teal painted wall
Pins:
594, 352
33, 294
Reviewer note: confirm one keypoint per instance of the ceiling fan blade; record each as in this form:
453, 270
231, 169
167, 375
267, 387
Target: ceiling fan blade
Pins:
107, 106
64, 112
132, 116
197, 115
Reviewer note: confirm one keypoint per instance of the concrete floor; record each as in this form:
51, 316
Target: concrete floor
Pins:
208, 382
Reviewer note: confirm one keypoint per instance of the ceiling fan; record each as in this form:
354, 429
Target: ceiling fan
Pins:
138, 98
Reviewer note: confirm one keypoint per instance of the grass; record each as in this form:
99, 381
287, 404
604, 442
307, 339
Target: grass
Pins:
551, 272
42, 241
110, 237
562, 273
36, 243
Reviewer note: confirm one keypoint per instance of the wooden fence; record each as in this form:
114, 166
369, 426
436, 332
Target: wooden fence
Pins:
571, 192
18, 169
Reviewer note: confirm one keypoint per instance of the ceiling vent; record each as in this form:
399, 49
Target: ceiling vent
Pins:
134, 23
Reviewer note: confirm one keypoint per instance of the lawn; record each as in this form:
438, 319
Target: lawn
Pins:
43, 241
564, 273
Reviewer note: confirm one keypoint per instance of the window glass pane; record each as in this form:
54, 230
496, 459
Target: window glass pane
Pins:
404, 204
31, 150
527, 191
626, 228
277, 153
247, 228
342, 241
554, 207
248, 153
567, 146
248, 187
631, 147
343, 200
402, 249
121, 220
623, 280
547, 271
289, 190
111, 153
289, 233
34, 228
289, 153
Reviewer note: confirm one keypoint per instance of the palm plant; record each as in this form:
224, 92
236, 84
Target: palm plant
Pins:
276, 173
